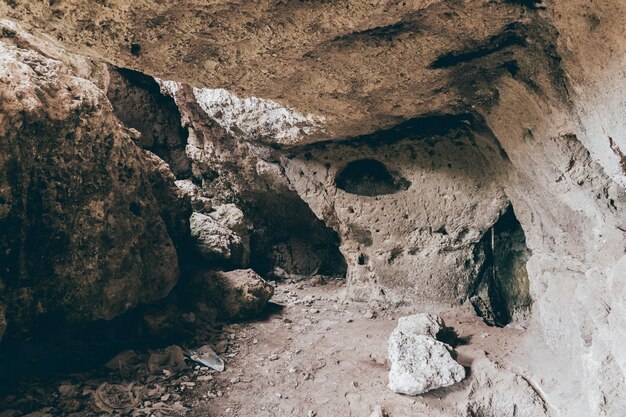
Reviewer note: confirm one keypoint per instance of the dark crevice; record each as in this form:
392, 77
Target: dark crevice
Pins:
529, 4
139, 104
508, 38
415, 128
501, 292
379, 33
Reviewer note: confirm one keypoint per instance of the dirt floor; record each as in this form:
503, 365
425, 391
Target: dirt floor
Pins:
315, 354
324, 356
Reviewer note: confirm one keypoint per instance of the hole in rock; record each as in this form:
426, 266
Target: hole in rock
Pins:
369, 177
501, 293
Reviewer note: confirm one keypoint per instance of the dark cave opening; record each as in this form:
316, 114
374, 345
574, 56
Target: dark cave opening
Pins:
501, 292
369, 177
288, 240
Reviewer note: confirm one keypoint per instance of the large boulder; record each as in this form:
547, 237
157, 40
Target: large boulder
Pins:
230, 216
84, 235
419, 362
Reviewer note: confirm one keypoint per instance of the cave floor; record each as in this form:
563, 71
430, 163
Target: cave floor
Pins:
323, 356
312, 354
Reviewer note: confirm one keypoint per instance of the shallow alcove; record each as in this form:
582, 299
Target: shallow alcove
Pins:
501, 293
369, 177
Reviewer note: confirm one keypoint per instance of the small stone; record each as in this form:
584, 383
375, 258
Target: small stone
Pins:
273, 357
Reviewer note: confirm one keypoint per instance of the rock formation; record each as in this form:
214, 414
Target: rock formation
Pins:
237, 295
431, 151
87, 229
496, 392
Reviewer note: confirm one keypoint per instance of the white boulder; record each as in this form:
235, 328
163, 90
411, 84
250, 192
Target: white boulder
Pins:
419, 362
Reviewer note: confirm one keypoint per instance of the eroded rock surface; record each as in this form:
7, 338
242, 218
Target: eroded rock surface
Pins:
419, 362
139, 104
215, 243
83, 233
528, 101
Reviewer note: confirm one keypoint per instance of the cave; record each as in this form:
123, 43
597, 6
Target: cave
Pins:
369, 177
312, 208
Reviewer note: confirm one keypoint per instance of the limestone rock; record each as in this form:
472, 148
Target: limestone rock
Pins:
419, 362
83, 234
227, 170
237, 295
214, 242
199, 202
498, 392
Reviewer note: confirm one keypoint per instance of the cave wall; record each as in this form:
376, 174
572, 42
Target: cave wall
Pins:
139, 104
287, 240
413, 245
570, 210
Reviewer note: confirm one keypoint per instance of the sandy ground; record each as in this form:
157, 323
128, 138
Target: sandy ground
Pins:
323, 356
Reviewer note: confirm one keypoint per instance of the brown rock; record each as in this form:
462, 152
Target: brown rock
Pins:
237, 295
